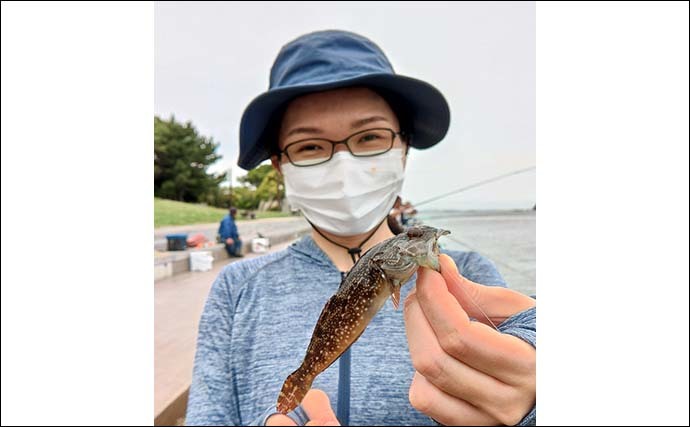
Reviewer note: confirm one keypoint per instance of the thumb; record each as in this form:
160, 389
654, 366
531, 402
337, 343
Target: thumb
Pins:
481, 301
318, 407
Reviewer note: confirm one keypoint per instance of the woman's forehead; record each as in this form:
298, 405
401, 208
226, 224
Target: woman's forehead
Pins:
338, 109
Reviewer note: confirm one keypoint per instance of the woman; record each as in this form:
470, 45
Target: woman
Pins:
337, 123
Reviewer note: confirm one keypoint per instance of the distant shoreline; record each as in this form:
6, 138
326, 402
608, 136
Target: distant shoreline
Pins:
445, 213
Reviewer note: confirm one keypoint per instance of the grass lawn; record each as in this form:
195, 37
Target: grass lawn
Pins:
170, 212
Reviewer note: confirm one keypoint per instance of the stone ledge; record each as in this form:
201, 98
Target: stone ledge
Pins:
169, 263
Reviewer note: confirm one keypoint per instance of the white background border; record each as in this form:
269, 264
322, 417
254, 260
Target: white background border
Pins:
612, 135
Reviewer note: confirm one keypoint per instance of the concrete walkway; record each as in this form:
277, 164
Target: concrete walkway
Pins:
179, 302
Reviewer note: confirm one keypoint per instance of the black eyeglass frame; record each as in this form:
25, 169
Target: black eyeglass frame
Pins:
404, 137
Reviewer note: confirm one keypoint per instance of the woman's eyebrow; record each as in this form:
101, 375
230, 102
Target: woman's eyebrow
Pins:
354, 125
304, 129
361, 122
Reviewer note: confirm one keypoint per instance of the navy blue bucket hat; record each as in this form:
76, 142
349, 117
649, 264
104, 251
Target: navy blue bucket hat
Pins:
334, 59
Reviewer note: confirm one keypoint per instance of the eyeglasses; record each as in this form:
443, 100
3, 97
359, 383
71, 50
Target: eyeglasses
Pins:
366, 143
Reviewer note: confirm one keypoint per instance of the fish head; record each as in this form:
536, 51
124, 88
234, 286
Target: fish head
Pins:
415, 247
421, 244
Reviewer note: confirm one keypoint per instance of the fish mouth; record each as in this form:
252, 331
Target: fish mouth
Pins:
439, 233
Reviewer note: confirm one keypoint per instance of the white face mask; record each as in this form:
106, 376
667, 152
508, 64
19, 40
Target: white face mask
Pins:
347, 195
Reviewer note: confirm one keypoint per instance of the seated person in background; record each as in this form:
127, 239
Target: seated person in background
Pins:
229, 234
407, 212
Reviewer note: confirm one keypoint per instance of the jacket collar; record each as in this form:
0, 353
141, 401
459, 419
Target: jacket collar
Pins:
307, 247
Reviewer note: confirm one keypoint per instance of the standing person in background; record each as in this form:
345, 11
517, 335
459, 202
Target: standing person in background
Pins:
229, 235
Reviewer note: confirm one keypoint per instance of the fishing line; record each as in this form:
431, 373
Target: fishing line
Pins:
492, 258
469, 297
476, 184
460, 190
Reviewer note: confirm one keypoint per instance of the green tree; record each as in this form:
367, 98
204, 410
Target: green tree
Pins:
244, 198
271, 187
255, 176
218, 197
261, 184
181, 160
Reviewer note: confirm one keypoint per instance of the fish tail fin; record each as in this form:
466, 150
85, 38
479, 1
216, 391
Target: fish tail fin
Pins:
294, 389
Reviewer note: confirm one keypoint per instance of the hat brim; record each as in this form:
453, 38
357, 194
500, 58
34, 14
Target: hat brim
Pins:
428, 110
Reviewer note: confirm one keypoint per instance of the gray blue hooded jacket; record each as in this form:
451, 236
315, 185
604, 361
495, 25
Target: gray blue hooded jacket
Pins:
257, 324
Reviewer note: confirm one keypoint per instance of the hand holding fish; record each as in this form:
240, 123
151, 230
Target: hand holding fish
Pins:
318, 408
467, 373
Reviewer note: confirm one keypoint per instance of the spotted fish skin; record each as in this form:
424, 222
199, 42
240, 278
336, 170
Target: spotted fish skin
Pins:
379, 274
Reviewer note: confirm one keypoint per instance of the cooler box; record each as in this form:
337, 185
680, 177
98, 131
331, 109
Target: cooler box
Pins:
177, 242
200, 261
260, 245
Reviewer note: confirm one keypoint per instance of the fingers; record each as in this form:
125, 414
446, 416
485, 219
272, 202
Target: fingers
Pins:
480, 301
443, 371
322, 423
444, 408
318, 407
501, 356
280, 420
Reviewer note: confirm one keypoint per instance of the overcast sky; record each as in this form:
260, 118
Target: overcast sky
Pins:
212, 59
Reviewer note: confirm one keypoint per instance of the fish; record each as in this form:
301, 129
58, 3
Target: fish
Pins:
377, 275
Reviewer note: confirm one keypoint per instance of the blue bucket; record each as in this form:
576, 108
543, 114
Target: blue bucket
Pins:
177, 242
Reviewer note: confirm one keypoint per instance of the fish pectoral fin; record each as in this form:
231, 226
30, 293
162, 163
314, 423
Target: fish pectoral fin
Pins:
395, 297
